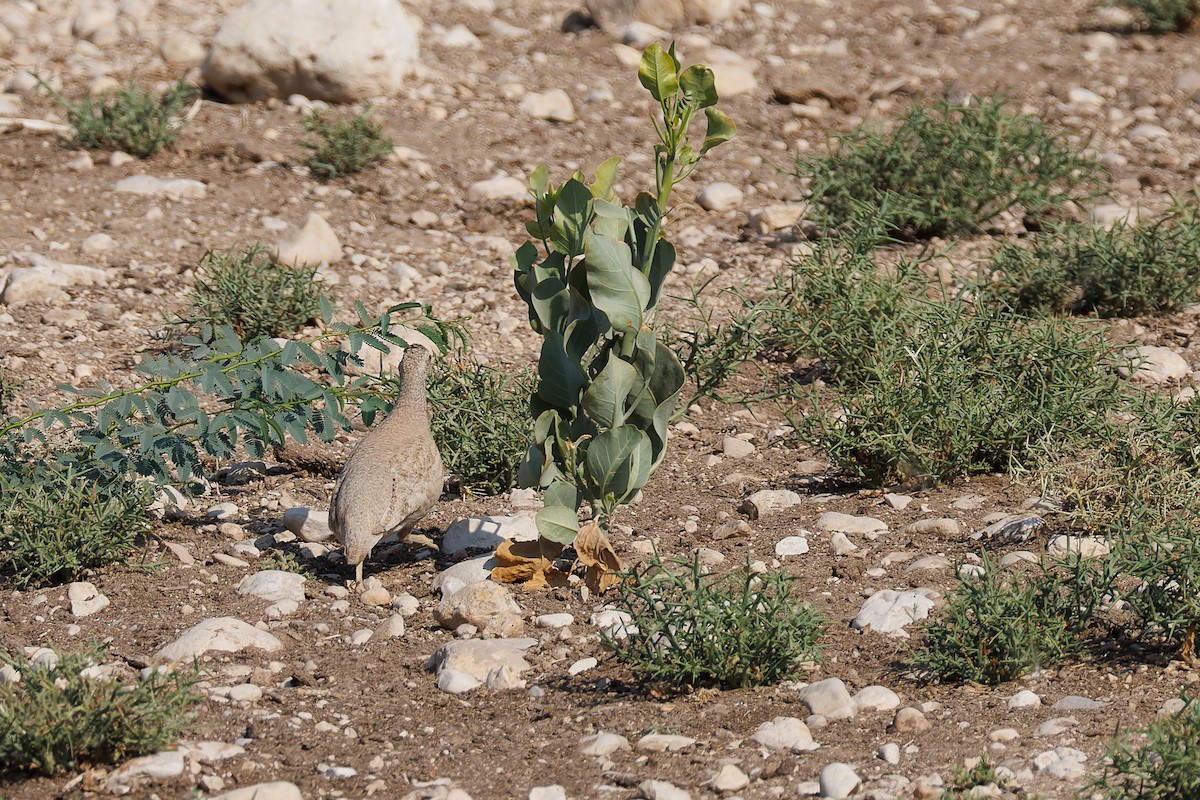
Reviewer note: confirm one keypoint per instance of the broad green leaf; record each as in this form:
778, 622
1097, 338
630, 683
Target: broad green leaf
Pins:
562, 493
659, 73
699, 86
539, 181
543, 426
655, 406
618, 462
660, 268
524, 258
611, 220
561, 379
616, 287
604, 400
573, 213
604, 175
720, 129
549, 301
558, 524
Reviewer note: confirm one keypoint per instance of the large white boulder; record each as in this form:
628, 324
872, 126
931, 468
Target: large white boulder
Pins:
341, 51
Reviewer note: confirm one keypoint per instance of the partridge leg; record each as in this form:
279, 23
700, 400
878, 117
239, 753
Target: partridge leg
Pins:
358, 578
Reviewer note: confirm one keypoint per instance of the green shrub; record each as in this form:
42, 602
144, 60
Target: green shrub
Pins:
57, 523
946, 170
250, 293
927, 388
1162, 16
481, 423
963, 781
1165, 767
130, 119
347, 145
698, 629
1148, 268
58, 718
998, 626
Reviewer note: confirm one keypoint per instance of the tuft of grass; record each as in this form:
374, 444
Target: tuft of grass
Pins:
482, 423
1151, 267
963, 781
130, 119
1162, 16
56, 523
347, 145
998, 626
926, 388
247, 291
59, 717
946, 170
699, 629
1165, 767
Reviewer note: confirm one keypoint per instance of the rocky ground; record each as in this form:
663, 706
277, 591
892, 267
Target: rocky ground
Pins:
333, 692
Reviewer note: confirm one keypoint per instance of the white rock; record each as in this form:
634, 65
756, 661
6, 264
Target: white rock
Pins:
1004, 735
273, 585
838, 781
182, 47
719, 196
451, 681
340, 51
876, 698
554, 105
603, 744
1024, 699
85, 599
850, 524
561, 620
478, 657
1064, 763
486, 533
97, 243
791, 546
38, 278
769, 501
840, 544
888, 611
664, 743
1084, 546
730, 779
829, 698
224, 634
97, 23
504, 679
662, 790
889, 752
460, 36
500, 187
159, 766
275, 790
245, 693
175, 188
582, 665
464, 573
308, 524
1158, 365
336, 773
390, 628
784, 733
777, 217
617, 624
314, 244
488, 606
734, 447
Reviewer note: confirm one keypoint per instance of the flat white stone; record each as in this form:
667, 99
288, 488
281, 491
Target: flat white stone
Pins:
889, 611
850, 524
603, 744
273, 585
224, 634
791, 546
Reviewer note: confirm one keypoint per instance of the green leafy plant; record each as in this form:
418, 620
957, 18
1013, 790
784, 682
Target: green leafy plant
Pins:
607, 386
946, 170
691, 629
56, 523
926, 388
219, 392
1152, 267
998, 626
1166, 765
131, 119
963, 780
1162, 16
346, 145
248, 292
482, 425
60, 716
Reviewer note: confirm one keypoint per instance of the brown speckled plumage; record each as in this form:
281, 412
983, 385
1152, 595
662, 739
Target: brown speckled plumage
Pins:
394, 476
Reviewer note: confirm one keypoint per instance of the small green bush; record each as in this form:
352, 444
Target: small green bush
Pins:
250, 293
998, 626
481, 423
924, 388
963, 781
1165, 767
130, 119
57, 718
1149, 268
698, 629
346, 145
1162, 16
946, 170
56, 523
